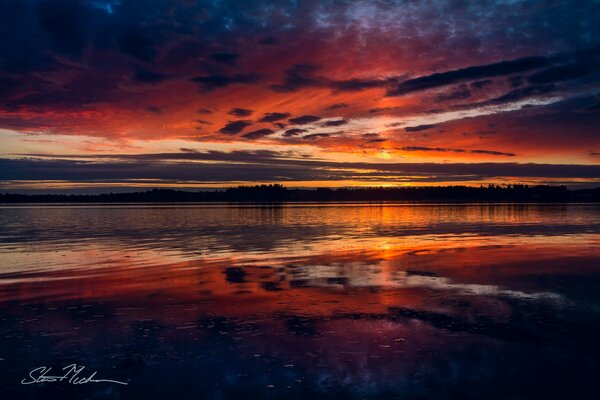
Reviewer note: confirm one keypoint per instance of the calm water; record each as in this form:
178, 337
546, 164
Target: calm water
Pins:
302, 301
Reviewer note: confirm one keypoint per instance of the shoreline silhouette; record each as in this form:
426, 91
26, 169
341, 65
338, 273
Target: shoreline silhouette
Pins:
277, 193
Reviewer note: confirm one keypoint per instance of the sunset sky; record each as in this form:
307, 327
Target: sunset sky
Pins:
125, 94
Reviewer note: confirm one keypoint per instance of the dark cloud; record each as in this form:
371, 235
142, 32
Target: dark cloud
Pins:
274, 116
147, 76
268, 166
422, 148
304, 119
337, 106
245, 156
591, 104
302, 76
562, 73
204, 122
258, 133
575, 65
337, 122
314, 136
378, 110
205, 111
459, 93
63, 22
234, 127
8, 86
446, 150
356, 84
298, 77
418, 128
518, 94
240, 112
123, 171
468, 74
370, 135
138, 43
516, 81
211, 82
481, 83
294, 132
492, 153
227, 58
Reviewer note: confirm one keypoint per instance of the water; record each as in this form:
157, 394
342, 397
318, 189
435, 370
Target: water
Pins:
327, 301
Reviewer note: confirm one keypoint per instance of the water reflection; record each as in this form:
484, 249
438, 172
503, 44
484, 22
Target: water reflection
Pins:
296, 302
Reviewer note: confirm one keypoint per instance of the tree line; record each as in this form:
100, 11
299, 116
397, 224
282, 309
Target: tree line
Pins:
279, 193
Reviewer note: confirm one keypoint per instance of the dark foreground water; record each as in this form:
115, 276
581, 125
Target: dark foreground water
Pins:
301, 301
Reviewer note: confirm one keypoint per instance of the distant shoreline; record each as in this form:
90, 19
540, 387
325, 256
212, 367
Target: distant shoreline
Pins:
266, 194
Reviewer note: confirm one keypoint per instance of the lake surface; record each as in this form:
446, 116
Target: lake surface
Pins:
318, 301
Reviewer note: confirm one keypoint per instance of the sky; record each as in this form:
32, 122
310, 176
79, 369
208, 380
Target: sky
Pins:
128, 94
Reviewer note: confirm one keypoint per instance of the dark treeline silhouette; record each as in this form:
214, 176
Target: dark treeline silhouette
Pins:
279, 193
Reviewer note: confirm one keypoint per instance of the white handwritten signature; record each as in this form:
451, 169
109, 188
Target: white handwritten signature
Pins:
72, 374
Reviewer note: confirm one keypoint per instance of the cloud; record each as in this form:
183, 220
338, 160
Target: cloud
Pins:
147, 76
459, 93
63, 23
269, 166
274, 116
513, 96
337, 122
370, 135
246, 156
301, 76
138, 43
209, 83
356, 84
294, 132
378, 110
233, 127
298, 77
493, 153
447, 150
516, 81
562, 73
224, 57
8, 86
419, 128
337, 106
314, 136
304, 119
240, 112
481, 83
258, 133
468, 74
